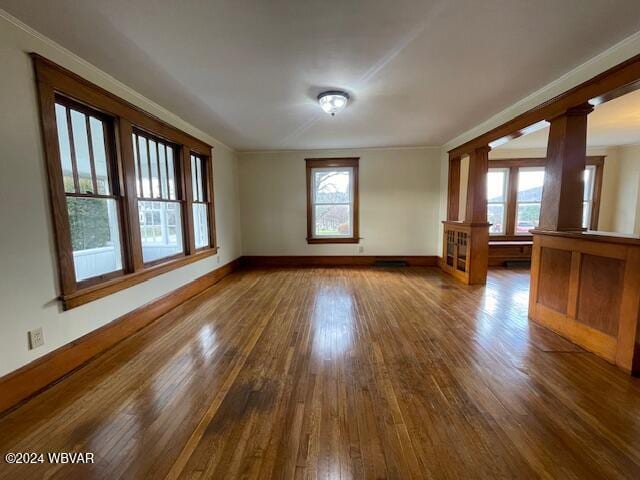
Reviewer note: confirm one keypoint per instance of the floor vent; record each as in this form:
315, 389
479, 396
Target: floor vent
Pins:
518, 263
390, 263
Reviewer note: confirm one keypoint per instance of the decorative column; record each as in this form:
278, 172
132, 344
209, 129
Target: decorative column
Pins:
466, 243
562, 196
453, 195
476, 211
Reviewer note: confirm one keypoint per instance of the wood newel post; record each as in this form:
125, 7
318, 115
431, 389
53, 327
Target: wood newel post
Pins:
476, 211
453, 198
563, 191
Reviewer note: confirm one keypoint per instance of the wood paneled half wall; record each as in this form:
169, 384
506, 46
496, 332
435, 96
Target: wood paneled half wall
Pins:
586, 287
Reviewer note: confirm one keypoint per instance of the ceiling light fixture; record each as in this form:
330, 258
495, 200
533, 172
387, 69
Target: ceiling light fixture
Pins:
333, 101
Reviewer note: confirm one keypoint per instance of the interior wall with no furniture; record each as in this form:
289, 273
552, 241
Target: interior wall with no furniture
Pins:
399, 202
29, 286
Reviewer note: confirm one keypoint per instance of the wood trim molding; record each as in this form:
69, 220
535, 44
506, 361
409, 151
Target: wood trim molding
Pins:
30, 379
352, 162
89, 294
612, 83
514, 164
336, 260
58, 85
453, 192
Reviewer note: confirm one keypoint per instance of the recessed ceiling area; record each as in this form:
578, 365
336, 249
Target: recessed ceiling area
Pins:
249, 72
613, 123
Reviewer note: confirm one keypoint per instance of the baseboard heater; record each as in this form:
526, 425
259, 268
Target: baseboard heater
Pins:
390, 263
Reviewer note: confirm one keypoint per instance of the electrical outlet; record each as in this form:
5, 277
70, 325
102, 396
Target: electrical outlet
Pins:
361, 249
218, 259
36, 338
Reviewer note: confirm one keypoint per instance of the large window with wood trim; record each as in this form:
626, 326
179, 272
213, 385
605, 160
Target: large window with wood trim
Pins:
332, 200
514, 195
159, 197
132, 197
91, 194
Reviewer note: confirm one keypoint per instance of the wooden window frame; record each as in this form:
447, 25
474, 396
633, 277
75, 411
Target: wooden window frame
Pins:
350, 162
55, 82
514, 164
207, 165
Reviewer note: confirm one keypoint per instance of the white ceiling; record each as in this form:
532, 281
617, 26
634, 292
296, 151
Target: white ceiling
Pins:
248, 71
611, 124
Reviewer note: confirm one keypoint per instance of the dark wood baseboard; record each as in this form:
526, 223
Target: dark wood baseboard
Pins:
336, 260
30, 379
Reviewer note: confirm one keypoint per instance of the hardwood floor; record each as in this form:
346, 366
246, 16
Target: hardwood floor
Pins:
339, 373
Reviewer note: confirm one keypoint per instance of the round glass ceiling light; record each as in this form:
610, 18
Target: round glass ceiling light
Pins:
333, 101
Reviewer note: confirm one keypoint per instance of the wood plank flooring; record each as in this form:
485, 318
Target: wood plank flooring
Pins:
339, 373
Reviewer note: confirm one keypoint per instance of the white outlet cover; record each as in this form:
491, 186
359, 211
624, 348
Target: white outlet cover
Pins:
36, 338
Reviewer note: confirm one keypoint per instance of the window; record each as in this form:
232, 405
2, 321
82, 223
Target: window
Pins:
92, 205
529, 198
131, 196
200, 201
514, 195
497, 181
332, 200
159, 205
587, 204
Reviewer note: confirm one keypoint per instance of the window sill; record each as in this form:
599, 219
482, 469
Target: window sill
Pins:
333, 240
89, 294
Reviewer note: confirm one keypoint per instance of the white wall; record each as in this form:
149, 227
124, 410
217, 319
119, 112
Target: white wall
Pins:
626, 217
28, 283
399, 202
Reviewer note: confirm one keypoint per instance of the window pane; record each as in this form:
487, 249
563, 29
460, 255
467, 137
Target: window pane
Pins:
200, 225
589, 174
160, 229
95, 236
194, 179
495, 216
527, 217
153, 158
530, 184
172, 174
65, 150
586, 214
136, 164
332, 186
496, 181
81, 144
99, 155
144, 167
199, 179
163, 170
332, 220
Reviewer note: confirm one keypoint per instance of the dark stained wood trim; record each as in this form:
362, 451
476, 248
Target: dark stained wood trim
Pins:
453, 196
32, 378
132, 224
187, 189
616, 81
86, 295
337, 260
68, 83
66, 273
56, 84
352, 162
513, 164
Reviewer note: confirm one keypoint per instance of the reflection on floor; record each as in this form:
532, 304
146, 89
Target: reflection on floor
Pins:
340, 373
